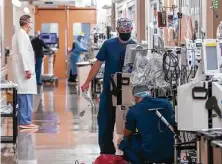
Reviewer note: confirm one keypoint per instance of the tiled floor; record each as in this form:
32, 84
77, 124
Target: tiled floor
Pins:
63, 137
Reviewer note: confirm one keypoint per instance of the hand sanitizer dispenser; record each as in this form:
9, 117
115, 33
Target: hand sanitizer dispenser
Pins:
219, 31
219, 40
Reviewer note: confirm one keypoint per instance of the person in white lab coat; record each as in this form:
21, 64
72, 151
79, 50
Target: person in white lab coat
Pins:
23, 72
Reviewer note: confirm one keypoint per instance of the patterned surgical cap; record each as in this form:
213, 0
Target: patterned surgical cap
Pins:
124, 24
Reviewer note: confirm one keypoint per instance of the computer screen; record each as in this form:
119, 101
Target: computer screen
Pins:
46, 37
49, 38
211, 56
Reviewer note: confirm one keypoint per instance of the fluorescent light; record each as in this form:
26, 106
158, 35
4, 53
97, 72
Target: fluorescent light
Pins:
17, 3
26, 10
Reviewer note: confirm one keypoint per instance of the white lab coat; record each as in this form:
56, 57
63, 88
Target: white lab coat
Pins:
23, 59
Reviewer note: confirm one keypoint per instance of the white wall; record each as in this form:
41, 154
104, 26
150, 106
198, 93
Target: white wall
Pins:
124, 5
2, 19
103, 14
108, 16
146, 18
101, 19
204, 16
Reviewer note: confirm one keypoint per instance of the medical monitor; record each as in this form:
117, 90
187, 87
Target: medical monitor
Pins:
49, 38
131, 51
211, 57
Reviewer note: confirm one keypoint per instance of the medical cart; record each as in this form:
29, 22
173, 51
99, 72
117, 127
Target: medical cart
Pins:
50, 77
7, 87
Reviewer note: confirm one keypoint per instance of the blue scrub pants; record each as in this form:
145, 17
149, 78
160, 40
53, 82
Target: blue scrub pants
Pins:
38, 69
25, 103
74, 59
106, 122
132, 148
133, 151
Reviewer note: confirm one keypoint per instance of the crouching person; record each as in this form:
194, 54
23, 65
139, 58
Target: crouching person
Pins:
146, 137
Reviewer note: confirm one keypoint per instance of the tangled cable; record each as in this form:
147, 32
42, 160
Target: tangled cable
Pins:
173, 71
171, 67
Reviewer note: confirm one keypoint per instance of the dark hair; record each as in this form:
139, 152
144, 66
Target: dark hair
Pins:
24, 20
80, 37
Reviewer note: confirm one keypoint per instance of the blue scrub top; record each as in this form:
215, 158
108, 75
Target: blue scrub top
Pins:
157, 139
78, 48
110, 53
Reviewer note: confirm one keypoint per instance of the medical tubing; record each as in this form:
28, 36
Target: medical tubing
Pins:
159, 126
87, 97
171, 67
165, 121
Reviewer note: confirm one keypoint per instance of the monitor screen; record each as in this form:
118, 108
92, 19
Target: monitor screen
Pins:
211, 57
49, 38
45, 37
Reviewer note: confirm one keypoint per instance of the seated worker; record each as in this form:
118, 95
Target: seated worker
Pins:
77, 49
154, 141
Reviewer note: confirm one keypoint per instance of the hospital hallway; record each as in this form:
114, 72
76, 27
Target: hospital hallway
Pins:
63, 137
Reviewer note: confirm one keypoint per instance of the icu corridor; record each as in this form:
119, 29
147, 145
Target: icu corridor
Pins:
63, 136
111, 81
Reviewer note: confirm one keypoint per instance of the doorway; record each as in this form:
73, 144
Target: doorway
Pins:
49, 21
60, 20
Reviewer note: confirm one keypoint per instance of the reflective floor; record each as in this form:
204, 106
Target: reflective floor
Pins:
63, 137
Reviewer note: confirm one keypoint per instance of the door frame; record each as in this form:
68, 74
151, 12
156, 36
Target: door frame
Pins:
70, 14
40, 18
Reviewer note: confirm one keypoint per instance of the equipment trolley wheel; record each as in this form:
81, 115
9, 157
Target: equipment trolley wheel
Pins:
14, 148
15, 156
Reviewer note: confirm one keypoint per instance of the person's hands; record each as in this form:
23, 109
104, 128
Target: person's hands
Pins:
28, 74
85, 87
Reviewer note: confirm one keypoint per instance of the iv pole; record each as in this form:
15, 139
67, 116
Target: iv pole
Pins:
179, 43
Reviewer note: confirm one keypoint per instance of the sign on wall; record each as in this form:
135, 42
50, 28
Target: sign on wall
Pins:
215, 4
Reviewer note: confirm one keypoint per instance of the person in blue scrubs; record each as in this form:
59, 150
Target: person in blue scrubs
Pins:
112, 53
75, 56
146, 137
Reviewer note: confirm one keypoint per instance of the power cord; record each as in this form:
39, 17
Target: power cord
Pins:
171, 68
